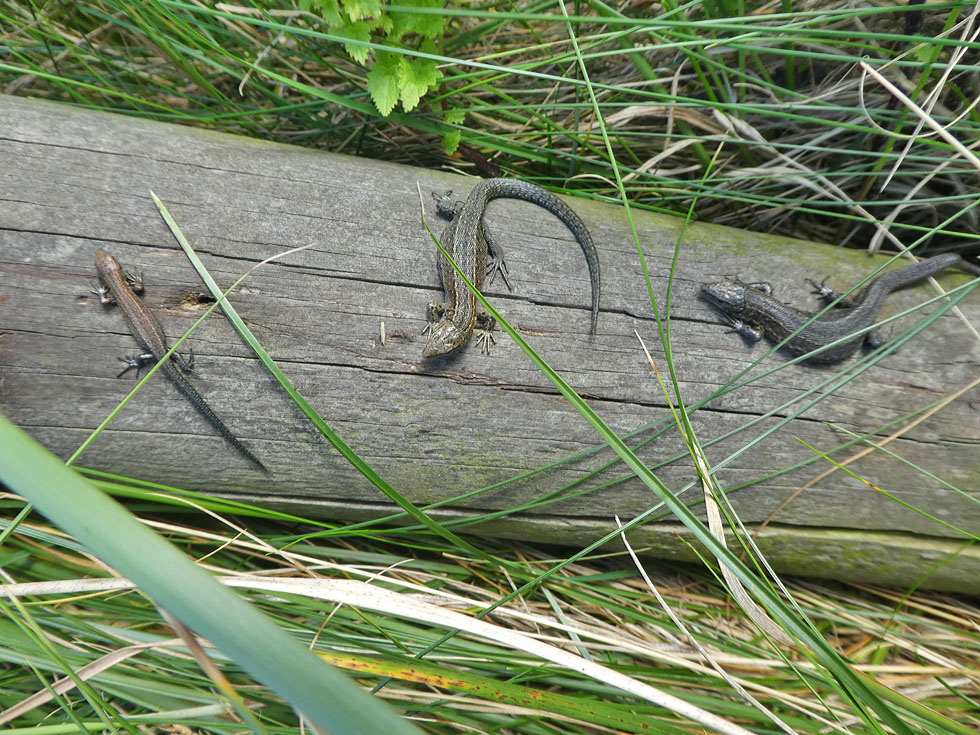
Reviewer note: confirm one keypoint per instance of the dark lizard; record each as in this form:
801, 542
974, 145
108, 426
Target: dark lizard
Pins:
148, 332
476, 253
753, 313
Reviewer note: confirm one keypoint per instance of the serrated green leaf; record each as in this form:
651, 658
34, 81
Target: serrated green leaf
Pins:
382, 24
450, 141
415, 78
358, 9
383, 82
455, 116
926, 53
359, 31
427, 25
329, 10
430, 25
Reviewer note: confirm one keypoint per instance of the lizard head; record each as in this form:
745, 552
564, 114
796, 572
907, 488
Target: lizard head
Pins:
444, 339
728, 295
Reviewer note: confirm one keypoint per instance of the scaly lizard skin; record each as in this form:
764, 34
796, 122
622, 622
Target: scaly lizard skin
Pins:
148, 332
753, 313
466, 238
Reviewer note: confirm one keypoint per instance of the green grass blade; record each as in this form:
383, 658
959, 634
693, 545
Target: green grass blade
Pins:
261, 648
333, 437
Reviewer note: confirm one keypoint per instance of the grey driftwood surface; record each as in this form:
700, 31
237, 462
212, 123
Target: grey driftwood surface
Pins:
74, 181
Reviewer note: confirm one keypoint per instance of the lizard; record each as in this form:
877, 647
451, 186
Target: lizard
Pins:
117, 286
753, 313
451, 323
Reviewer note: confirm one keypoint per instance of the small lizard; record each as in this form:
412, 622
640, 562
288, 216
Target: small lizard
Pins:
474, 250
753, 313
115, 286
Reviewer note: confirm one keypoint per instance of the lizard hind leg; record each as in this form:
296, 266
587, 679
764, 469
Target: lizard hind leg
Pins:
495, 259
875, 339
485, 339
185, 364
828, 295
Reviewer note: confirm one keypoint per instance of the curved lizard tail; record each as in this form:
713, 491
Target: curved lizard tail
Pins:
528, 192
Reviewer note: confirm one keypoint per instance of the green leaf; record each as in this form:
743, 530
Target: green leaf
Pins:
360, 31
455, 116
416, 77
382, 24
360, 9
450, 141
927, 53
427, 25
383, 82
329, 10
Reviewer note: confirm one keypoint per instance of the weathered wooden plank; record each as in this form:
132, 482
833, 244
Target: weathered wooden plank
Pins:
72, 181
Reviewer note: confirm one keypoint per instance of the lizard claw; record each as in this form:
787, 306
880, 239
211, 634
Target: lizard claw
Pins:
103, 292
486, 341
820, 289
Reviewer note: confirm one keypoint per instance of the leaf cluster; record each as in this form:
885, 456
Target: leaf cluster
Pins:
393, 77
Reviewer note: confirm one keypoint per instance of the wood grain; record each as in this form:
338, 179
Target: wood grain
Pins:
72, 181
